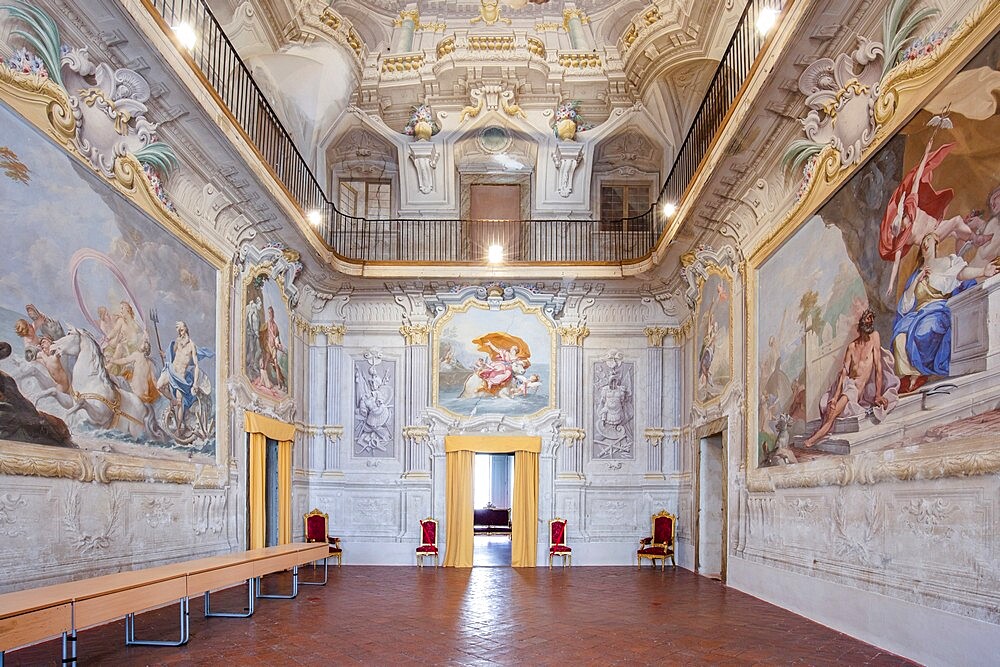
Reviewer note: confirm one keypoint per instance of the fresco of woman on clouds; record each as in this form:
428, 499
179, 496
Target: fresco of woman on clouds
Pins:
90, 309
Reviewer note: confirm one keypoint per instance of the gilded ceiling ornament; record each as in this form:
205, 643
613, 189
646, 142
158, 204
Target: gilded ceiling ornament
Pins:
489, 13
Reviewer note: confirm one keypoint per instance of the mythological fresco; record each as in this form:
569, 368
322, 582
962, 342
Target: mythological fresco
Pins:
493, 361
111, 320
877, 323
713, 321
266, 335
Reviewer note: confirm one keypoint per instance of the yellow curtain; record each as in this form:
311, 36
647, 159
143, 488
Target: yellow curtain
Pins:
524, 540
460, 451
257, 464
284, 492
260, 428
458, 508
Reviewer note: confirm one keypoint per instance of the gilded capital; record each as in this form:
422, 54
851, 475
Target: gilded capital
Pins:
655, 335
570, 14
572, 334
415, 334
570, 435
408, 15
416, 433
333, 433
654, 436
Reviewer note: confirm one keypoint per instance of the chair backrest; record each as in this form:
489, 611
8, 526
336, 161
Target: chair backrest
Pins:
663, 528
557, 532
316, 525
428, 532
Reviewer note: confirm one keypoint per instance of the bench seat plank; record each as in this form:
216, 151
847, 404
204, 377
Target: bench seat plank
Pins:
34, 626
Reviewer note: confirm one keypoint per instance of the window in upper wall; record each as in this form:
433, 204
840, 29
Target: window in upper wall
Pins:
370, 199
624, 201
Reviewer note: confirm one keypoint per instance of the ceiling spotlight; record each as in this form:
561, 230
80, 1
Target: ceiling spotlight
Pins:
186, 35
669, 208
495, 254
314, 217
767, 19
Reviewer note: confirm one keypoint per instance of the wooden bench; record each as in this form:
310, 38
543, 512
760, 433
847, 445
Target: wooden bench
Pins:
31, 616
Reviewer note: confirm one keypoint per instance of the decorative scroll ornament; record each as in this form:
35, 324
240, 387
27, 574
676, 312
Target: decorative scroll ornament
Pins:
282, 263
491, 97
489, 13
843, 94
695, 266
567, 157
425, 158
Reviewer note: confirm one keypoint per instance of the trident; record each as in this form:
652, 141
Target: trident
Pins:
155, 319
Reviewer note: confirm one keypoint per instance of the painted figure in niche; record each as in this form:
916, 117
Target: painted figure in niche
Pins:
373, 410
265, 353
182, 381
921, 334
613, 412
866, 383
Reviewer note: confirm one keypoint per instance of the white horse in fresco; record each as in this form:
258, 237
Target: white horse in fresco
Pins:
105, 404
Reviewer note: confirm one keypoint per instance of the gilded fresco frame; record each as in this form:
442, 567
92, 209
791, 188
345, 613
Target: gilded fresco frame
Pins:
904, 91
727, 276
46, 106
471, 303
250, 273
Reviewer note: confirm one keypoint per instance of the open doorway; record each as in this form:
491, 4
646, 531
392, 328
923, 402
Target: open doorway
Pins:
493, 492
710, 548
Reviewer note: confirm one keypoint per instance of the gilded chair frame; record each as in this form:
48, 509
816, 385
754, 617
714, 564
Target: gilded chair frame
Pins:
423, 554
649, 542
567, 556
334, 542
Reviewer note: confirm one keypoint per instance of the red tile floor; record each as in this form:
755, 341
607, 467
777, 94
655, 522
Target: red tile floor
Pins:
485, 616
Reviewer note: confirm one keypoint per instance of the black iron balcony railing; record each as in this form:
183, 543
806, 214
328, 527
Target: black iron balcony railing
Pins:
430, 241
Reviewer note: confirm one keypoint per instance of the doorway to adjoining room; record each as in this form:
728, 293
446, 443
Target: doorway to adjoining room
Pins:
711, 523
493, 492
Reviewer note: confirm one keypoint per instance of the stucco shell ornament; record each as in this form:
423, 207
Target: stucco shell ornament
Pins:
841, 94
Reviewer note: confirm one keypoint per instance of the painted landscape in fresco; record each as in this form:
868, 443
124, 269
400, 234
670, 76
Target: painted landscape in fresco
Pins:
265, 351
713, 323
110, 320
877, 319
493, 362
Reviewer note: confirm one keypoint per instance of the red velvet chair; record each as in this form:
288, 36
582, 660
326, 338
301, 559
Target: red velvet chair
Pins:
428, 541
317, 530
661, 543
557, 542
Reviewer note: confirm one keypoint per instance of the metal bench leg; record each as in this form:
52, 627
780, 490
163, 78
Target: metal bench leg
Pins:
295, 587
69, 648
130, 639
326, 576
230, 614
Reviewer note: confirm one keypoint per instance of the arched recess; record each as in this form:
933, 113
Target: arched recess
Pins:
628, 164
493, 149
360, 156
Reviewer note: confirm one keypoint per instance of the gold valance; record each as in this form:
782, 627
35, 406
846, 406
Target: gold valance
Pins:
493, 444
271, 428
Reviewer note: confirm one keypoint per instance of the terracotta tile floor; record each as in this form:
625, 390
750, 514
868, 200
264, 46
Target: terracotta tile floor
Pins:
485, 616
491, 551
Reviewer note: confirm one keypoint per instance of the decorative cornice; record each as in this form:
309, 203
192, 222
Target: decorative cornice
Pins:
415, 334
572, 334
